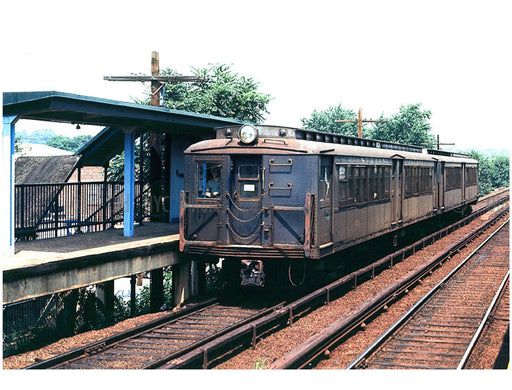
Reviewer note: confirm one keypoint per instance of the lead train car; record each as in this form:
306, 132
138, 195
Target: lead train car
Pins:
259, 195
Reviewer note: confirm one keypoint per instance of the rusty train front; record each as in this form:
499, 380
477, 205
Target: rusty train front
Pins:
265, 198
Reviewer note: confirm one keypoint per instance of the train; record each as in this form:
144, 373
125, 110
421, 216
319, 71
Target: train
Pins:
269, 198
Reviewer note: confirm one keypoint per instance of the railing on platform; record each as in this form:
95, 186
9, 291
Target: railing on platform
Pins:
60, 209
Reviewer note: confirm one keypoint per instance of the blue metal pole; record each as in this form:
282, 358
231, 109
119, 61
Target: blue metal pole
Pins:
7, 168
129, 182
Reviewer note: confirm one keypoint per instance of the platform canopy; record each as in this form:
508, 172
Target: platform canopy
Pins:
115, 115
122, 123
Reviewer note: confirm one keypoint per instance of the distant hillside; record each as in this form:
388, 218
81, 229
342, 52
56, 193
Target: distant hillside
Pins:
35, 137
27, 149
485, 152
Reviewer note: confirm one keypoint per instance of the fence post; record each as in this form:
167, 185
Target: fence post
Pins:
56, 214
105, 198
112, 205
79, 196
21, 206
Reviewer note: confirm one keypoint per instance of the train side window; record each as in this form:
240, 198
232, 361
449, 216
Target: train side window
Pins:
386, 181
342, 184
373, 183
471, 176
378, 190
346, 185
426, 177
409, 181
355, 184
453, 178
363, 184
208, 179
248, 181
325, 182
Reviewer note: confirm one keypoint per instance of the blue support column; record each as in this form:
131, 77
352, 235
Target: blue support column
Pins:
7, 181
129, 181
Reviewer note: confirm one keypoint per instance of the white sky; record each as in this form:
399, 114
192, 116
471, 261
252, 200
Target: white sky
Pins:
454, 57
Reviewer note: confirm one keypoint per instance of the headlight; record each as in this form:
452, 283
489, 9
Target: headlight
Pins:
247, 134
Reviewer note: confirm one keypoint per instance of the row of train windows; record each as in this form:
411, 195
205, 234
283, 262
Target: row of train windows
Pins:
454, 177
360, 184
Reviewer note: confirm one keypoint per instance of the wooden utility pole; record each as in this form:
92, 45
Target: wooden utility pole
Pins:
160, 186
157, 81
155, 85
155, 139
360, 122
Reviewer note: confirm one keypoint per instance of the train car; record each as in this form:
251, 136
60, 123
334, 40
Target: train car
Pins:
260, 196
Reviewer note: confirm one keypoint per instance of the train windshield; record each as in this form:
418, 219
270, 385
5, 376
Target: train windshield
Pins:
248, 181
209, 179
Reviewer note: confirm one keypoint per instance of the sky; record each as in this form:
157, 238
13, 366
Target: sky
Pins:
451, 56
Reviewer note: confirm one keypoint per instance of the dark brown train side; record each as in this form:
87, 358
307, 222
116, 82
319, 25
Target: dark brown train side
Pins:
299, 194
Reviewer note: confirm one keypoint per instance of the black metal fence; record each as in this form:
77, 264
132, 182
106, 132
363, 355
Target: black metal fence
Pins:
60, 209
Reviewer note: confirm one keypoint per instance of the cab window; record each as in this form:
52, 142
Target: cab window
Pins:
209, 180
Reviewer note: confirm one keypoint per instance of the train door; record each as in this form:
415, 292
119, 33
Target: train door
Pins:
463, 191
396, 190
244, 201
325, 189
439, 186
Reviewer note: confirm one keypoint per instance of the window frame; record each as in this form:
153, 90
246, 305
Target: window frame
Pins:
198, 178
241, 180
362, 184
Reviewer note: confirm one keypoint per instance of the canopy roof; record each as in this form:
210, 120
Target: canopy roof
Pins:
115, 115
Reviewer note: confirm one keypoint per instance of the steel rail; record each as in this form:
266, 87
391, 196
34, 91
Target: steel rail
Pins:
265, 323
391, 330
202, 357
323, 340
112, 340
217, 335
480, 329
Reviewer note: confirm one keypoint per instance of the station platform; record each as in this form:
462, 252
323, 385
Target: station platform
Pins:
42, 267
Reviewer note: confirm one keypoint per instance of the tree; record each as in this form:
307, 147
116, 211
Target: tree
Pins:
493, 172
115, 170
324, 121
222, 93
71, 144
409, 126
501, 176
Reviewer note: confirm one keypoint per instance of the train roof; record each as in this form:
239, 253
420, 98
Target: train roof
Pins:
286, 140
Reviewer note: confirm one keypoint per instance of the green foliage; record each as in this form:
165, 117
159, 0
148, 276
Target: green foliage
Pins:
90, 311
324, 121
222, 93
493, 172
260, 364
409, 126
71, 144
35, 137
17, 146
115, 170
143, 301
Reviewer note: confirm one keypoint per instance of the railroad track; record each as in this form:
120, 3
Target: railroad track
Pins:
496, 323
441, 329
152, 345
325, 339
162, 347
